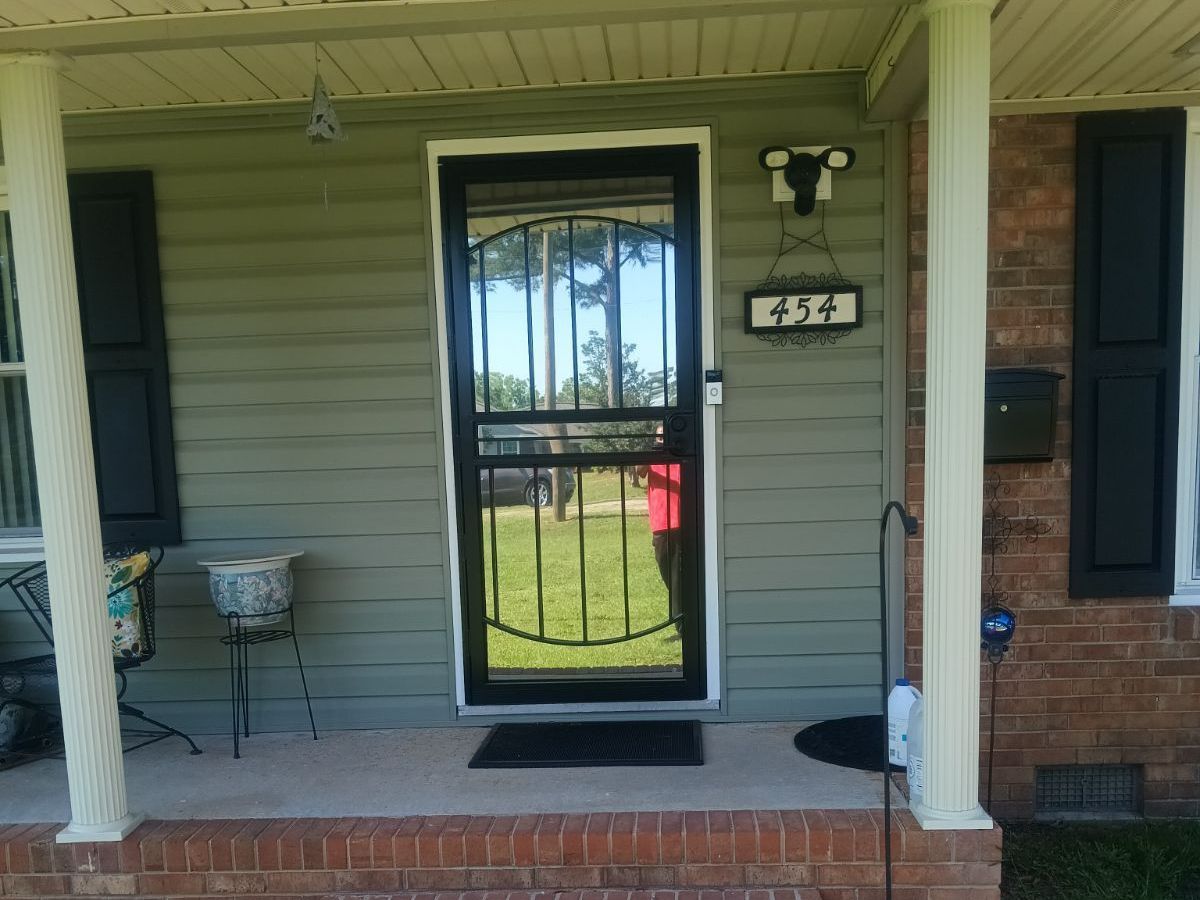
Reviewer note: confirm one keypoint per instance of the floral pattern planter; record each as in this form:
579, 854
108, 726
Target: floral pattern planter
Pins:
258, 589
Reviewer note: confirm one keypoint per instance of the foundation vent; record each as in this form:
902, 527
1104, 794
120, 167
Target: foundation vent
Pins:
1088, 791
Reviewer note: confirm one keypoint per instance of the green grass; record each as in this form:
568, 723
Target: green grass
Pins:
562, 610
1137, 861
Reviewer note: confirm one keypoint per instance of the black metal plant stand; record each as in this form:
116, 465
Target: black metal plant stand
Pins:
239, 640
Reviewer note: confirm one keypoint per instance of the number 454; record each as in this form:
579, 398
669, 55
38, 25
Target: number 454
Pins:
803, 310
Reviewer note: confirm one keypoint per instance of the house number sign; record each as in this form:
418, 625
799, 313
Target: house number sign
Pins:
836, 308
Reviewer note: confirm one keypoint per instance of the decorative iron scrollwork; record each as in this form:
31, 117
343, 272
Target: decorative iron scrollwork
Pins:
999, 532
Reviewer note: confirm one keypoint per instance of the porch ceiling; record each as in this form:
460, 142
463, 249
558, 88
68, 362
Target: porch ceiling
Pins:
696, 39
148, 53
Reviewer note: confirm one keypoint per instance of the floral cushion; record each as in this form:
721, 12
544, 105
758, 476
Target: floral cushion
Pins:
125, 607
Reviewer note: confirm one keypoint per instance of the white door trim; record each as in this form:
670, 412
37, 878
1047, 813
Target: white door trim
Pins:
701, 136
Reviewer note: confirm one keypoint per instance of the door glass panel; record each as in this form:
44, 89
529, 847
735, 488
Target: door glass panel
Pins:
596, 593
543, 438
582, 563
571, 293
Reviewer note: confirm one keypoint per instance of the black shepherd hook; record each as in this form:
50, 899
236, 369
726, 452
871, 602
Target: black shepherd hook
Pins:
910, 528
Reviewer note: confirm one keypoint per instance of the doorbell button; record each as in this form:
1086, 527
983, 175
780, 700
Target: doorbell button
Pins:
714, 392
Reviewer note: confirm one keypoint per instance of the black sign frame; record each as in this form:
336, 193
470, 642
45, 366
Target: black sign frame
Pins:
802, 288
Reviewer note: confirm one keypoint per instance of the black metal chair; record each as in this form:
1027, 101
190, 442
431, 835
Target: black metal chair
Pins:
32, 590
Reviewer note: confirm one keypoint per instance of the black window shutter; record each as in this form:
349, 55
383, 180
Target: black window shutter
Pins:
1128, 291
125, 354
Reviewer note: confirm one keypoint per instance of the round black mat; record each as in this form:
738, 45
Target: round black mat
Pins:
855, 743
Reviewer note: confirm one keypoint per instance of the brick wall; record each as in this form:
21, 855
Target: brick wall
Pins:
717, 855
1087, 681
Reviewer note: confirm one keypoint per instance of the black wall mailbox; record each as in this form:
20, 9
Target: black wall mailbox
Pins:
1020, 415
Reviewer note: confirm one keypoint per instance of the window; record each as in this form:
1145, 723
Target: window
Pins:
1187, 523
19, 517
125, 363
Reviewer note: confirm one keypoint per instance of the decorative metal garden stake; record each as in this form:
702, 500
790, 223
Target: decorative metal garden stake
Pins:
999, 624
910, 528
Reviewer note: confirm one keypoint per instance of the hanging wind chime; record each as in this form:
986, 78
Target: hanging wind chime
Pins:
324, 127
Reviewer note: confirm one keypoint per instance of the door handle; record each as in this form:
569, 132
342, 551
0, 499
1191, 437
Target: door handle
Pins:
679, 434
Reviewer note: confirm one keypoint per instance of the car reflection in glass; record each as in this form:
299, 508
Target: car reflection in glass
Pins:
515, 485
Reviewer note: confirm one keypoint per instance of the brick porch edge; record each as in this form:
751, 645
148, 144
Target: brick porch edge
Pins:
716, 855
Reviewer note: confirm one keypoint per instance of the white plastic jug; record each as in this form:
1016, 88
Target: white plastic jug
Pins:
900, 702
916, 752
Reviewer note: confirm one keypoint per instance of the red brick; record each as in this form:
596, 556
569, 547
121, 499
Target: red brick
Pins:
475, 841
720, 836
796, 837
150, 884
245, 846
780, 875
429, 852
302, 882
499, 879
621, 838
99, 885
850, 875
713, 875
367, 881
197, 849
671, 837
220, 845
175, 858
218, 883
548, 840
312, 843
450, 841
395, 843
291, 845
745, 836
770, 834
646, 840
437, 879
266, 844
596, 839
568, 877
696, 847
358, 843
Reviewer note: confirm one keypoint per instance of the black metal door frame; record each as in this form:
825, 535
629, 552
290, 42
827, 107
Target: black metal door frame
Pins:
681, 163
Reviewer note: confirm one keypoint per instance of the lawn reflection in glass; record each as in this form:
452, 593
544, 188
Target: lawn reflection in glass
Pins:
582, 579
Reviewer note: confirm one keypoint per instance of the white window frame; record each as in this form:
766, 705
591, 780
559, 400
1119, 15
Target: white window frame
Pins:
1187, 529
16, 545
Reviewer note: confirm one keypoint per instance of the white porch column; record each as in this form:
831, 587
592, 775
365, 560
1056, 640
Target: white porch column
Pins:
959, 81
62, 443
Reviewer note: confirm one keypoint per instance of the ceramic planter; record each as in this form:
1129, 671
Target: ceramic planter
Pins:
258, 589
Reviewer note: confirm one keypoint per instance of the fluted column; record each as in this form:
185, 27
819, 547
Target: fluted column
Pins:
62, 445
959, 81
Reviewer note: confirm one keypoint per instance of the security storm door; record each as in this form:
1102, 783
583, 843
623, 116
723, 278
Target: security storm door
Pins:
574, 347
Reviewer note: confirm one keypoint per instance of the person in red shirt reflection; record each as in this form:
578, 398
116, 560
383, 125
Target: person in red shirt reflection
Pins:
662, 499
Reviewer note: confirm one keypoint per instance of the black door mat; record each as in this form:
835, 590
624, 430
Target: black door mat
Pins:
553, 745
854, 743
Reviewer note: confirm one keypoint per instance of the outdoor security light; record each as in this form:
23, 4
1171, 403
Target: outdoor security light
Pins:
802, 171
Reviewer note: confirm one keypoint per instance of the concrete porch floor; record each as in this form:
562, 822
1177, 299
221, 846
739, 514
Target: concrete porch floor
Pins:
423, 771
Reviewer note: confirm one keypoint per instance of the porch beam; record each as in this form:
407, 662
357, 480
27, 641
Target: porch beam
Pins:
898, 76
378, 18
62, 446
959, 76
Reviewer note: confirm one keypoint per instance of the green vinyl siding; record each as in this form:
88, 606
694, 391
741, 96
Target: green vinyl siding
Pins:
305, 389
